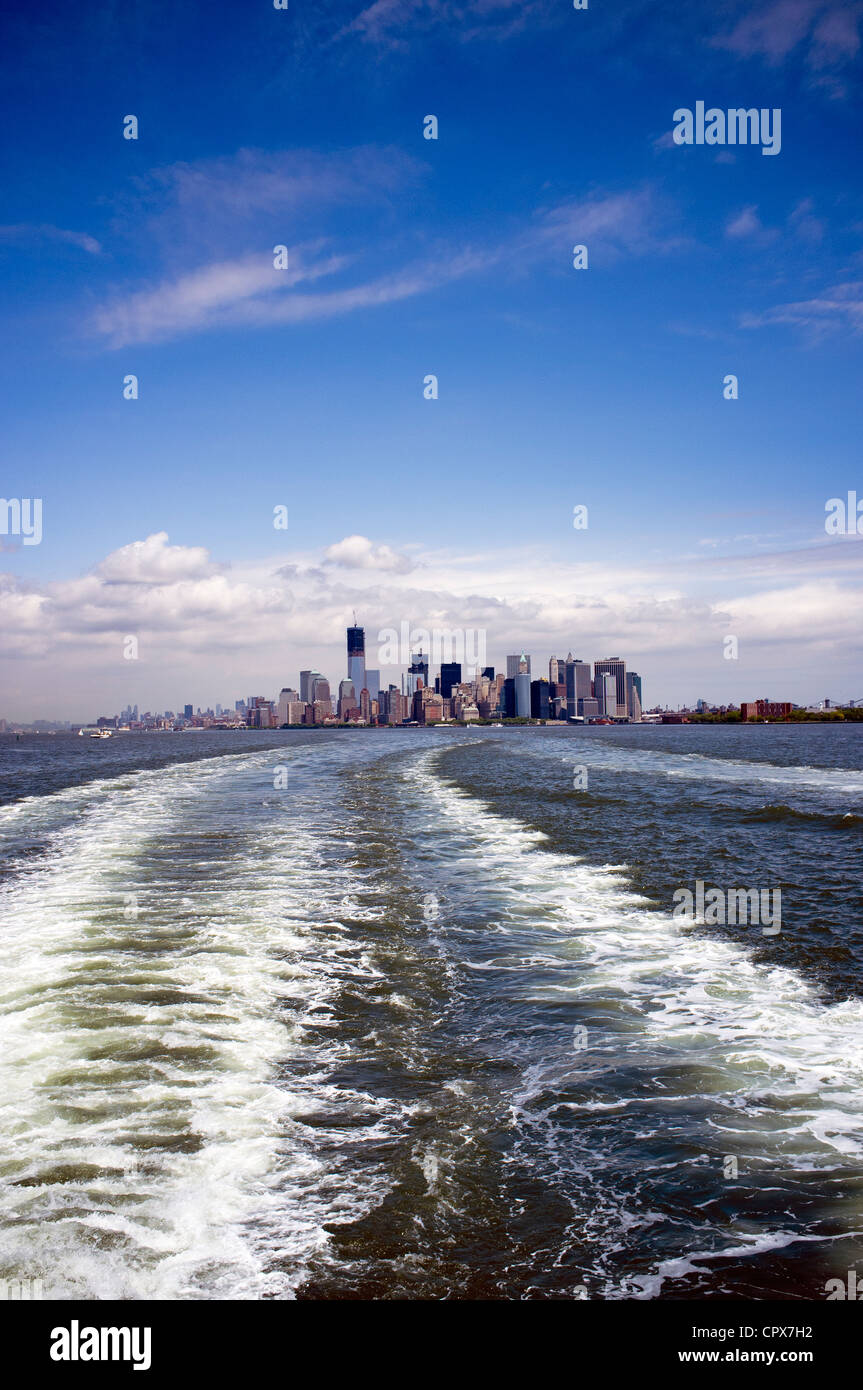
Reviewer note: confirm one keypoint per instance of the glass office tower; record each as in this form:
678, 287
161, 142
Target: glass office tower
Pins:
357, 658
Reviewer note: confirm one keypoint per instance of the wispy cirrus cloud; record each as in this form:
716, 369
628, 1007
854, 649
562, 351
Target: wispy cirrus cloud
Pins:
247, 290
251, 292
800, 224
633, 222
391, 24
226, 200
745, 224
229, 292
838, 308
34, 233
825, 33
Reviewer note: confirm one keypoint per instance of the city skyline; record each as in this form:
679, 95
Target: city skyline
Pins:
453, 642
314, 688
463, 690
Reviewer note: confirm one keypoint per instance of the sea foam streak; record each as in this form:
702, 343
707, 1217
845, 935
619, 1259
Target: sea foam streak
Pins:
156, 969
842, 782
762, 1069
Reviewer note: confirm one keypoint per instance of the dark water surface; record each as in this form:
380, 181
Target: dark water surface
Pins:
419, 1023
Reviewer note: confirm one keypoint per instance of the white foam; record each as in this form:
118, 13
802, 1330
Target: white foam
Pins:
188, 1172
787, 1069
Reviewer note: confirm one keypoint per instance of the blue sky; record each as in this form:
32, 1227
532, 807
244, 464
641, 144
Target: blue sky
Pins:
407, 256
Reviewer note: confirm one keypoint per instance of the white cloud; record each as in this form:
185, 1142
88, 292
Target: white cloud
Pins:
358, 552
154, 561
208, 632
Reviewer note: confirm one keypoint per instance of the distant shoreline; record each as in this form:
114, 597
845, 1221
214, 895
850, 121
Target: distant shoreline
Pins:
842, 715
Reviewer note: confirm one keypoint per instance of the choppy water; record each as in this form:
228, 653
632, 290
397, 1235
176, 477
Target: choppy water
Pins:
419, 1023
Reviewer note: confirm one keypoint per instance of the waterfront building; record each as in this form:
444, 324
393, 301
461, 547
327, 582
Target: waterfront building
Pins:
578, 682
612, 665
357, 657
539, 699
606, 693
522, 695
286, 698
766, 709
394, 706
306, 679
450, 675
431, 710
634, 704
418, 671
556, 670
347, 699
320, 690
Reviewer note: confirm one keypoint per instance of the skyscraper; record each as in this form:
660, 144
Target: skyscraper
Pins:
347, 698
373, 684
633, 695
357, 657
539, 708
306, 679
578, 687
450, 675
417, 671
522, 695
612, 665
606, 694
289, 704
517, 666
394, 705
